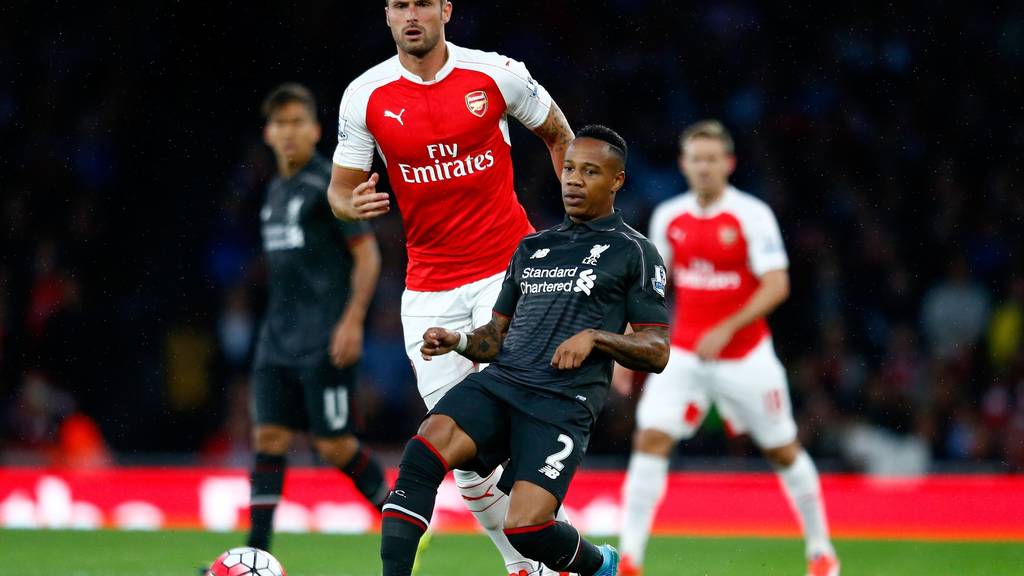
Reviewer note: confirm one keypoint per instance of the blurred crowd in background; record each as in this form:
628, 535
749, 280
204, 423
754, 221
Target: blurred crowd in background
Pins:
887, 140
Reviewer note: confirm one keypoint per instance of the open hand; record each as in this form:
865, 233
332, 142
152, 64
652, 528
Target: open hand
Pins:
713, 341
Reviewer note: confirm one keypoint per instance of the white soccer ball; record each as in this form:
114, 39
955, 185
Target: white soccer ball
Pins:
246, 562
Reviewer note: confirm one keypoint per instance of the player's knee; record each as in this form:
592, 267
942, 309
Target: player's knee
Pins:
523, 518
654, 442
529, 505
337, 451
272, 439
444, 435
783, 456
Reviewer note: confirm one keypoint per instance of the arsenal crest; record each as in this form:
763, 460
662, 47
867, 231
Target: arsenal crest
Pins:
477, 103
727, 235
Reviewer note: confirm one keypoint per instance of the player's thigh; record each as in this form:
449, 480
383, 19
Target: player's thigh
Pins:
329, 397
545, 454
423, 310
276, 398
676, 401
752, 394
483, 417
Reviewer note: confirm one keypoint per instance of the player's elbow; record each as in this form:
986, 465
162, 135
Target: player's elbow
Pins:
783, 289
777, 283
660, 353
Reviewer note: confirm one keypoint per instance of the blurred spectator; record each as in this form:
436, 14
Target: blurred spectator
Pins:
236, 329
954, 312
1006, 328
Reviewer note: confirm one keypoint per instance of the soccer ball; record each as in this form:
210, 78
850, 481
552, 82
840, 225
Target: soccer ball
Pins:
246, 562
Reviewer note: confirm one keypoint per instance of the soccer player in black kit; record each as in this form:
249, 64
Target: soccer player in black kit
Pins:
322, 274
557, 326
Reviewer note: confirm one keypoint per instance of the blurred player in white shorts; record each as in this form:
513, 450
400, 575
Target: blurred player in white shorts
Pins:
438, 115
730, 270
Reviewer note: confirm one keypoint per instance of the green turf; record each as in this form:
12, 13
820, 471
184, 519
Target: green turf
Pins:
56, 553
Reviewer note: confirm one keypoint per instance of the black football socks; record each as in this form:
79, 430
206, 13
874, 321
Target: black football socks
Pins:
267, 479
368, 476
409, 507
558, 546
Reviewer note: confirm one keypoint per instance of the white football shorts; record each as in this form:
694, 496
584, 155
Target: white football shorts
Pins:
750, 393
463, 308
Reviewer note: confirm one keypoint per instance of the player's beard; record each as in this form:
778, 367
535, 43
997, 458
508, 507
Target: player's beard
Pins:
419, 48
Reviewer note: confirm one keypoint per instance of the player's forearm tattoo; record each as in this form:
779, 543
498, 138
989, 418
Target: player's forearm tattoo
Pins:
646, 349
557, 134
485, 342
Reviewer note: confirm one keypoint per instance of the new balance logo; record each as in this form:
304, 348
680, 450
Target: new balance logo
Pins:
540, 253
550, 472
390, 114
585, 283
595, 253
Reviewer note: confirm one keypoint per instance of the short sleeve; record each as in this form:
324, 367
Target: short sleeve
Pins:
765, 250
525, 99
355, 143
645, 297
657, 232
508, 298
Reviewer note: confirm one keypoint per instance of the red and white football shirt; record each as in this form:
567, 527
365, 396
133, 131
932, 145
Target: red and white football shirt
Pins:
716, 255
447, 150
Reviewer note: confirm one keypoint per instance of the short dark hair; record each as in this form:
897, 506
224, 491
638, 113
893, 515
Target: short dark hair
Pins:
616, 143
286, 94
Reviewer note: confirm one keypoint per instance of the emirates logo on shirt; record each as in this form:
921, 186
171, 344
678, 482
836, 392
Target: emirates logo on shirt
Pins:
701, 275
477, 103
448, 164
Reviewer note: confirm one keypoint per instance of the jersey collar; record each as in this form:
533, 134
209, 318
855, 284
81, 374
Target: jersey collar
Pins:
606, 224
716, 208
443, 73
314, 161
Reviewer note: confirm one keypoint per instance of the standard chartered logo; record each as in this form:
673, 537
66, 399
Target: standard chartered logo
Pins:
585, 283
563, 278
286, 236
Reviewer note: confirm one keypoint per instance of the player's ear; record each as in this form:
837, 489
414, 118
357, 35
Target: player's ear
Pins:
732, 163
317, 131
619, 181
266, 133
446, 11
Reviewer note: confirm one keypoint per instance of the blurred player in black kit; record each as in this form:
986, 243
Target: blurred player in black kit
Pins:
322, 274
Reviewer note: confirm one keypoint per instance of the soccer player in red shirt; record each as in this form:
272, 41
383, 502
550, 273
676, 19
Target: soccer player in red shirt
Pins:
438, 115
729, 268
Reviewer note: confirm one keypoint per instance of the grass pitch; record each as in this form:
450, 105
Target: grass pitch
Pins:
104, 553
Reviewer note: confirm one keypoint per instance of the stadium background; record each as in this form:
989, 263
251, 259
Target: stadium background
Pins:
886, 139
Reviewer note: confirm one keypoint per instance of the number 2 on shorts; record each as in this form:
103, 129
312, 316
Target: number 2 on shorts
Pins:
553, 464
